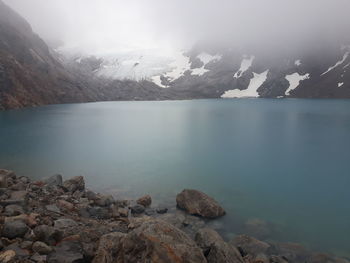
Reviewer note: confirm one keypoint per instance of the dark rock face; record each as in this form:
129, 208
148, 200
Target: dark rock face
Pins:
198, 203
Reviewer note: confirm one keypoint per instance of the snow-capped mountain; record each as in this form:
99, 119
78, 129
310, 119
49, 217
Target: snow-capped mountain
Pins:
227, 73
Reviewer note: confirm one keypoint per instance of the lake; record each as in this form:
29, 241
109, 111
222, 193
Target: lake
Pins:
283, 165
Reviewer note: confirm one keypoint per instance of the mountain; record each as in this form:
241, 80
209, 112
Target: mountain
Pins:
32, 73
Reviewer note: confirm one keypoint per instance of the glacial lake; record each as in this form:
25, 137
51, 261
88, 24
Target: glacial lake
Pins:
282, 165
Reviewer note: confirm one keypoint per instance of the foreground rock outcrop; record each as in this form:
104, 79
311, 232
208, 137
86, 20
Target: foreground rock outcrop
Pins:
198, 203
59, 221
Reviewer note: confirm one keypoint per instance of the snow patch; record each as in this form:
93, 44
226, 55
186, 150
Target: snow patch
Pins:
205, 58
337, 64
156, 80
297, 63
251, 91
245, 65
340, 84
346, 66
294, 81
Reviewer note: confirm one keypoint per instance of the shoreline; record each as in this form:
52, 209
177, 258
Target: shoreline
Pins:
52, 220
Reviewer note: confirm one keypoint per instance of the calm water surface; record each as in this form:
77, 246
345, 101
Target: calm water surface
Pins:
286, 162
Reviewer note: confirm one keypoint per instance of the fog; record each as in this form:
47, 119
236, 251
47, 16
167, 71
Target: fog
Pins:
101, 26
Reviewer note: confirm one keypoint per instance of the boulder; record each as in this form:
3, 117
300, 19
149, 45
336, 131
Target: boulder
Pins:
13, 210
198, 203
155, 241
137, 209
8, 256
250, 245
215, 248
103, 200
145, 200
55, 180
76, 183
65, 205
108, 247
98, 212
14, 229
47, 234
41, 248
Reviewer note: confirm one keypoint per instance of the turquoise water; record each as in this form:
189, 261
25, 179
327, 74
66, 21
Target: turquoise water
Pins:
286, 162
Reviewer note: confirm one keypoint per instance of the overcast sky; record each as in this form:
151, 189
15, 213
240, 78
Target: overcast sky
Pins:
107, 25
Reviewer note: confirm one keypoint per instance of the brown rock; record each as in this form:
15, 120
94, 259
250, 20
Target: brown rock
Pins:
215, 248
7, 256
65, 205
145, 200
250, 245
108, 247
153, 241
198, 203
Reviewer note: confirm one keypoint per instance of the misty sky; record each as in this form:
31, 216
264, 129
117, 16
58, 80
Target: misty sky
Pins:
107, 25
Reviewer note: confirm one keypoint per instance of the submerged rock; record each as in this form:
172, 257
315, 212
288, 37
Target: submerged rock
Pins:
198, 203
250, 245
215, 249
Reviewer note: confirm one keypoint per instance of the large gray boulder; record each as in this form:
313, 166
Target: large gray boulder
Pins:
215, 248
198, 203
153, 241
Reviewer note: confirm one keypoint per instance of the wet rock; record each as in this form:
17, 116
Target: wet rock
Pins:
161, 210
41, 248
156, 241
53, 208
99, 212
64, 205
55, 180
258, 228
91, 195
13, 210
215, 248
104, 200
14, 229
47, 234
250, 245
198, 203
124, 212
150, 211
108, 247
64, 223
137, 209
292, 252
8, 256
66, 252
76, 183
278, 259
144, 200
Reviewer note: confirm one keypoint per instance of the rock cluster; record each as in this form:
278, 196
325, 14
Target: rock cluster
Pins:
55, 221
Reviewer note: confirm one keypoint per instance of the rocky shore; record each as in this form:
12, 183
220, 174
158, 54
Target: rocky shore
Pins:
55, 221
